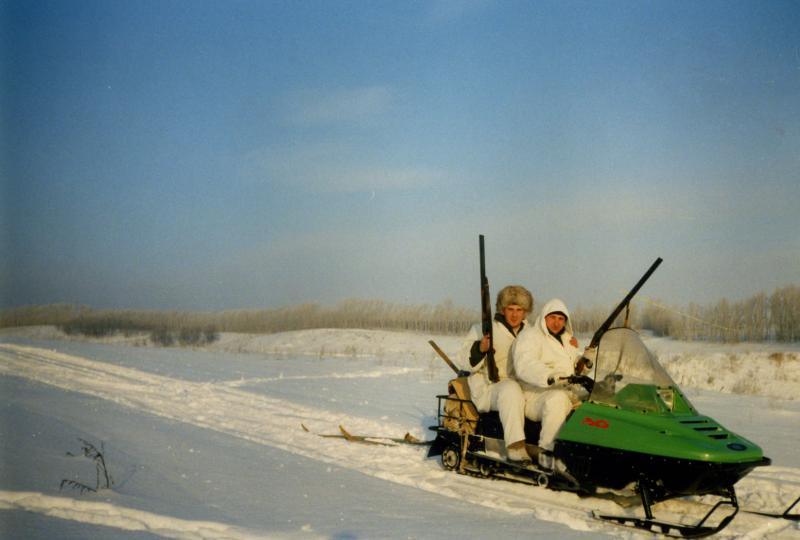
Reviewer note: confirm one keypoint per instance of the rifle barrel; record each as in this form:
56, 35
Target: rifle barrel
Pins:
625, 301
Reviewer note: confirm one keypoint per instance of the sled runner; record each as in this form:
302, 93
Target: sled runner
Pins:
408, 438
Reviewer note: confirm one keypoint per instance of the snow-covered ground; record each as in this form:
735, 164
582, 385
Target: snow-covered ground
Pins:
208, 444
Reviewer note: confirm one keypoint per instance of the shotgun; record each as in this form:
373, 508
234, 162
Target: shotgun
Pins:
611, 318
486, 316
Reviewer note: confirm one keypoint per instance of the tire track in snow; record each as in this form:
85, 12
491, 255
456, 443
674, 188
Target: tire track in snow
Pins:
129, 519
376, 374
276, 423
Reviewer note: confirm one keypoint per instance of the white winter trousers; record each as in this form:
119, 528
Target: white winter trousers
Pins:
551, 408
507, 399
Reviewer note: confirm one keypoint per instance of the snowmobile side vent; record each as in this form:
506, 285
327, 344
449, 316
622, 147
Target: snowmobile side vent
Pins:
718, 433
708, 427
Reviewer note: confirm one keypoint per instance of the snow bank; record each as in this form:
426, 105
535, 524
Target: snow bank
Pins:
769, 370
759, 369
336, 342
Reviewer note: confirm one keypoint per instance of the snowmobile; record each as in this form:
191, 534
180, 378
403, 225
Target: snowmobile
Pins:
636, 430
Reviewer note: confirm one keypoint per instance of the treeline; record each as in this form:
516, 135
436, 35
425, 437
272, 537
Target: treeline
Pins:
442, 318
197, 327
163, 328
759, 318
762, 317
160, 332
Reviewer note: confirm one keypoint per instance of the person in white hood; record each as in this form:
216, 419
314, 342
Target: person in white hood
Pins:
541, 354
505, 396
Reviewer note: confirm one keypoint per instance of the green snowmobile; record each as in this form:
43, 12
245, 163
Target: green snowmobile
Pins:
636, 430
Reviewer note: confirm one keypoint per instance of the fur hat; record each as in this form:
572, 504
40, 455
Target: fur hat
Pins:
514, 294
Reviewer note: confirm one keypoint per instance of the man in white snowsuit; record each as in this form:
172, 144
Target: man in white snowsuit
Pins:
505, 396
541, 354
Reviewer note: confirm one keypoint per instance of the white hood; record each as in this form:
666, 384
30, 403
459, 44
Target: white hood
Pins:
554, 305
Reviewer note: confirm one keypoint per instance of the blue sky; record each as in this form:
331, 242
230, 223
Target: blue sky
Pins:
210, 155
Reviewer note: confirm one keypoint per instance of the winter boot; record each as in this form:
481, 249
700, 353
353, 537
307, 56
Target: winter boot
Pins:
516, 452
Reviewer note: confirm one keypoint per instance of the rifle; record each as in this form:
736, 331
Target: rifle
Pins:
486, 316
585, 362
443, 356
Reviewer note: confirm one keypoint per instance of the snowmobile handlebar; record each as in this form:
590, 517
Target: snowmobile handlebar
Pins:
583, 380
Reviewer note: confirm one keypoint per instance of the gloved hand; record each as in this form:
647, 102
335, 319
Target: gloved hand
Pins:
586, 361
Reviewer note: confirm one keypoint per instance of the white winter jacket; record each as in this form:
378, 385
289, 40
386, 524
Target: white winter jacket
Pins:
537, 355
502, 338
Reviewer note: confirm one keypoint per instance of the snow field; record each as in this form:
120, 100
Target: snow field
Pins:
267, 409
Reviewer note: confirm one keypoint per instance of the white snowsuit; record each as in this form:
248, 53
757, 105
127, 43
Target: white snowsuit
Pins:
539, 357
504, 396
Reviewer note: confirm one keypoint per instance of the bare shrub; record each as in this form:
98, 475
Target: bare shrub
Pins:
103, 479
162, 336
747, 386
777, 358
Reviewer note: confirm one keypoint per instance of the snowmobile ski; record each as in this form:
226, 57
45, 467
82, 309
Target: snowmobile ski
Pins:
676, 530
369, 439
784, 515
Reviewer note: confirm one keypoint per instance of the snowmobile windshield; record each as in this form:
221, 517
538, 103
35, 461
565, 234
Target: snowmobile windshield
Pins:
628, 375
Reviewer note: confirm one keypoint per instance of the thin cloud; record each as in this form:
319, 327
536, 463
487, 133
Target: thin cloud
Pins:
310, 107
334, 168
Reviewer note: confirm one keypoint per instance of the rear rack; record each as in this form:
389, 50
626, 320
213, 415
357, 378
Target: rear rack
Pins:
456, 414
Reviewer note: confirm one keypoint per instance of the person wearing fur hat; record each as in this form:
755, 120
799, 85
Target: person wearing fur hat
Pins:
514, 302
542, 354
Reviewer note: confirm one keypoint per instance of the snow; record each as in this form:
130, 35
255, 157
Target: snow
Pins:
207, 443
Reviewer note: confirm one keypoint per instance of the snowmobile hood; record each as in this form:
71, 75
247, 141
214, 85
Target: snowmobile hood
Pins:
635, 406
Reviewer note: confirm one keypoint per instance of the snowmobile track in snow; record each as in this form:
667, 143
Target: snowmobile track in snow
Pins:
274, 422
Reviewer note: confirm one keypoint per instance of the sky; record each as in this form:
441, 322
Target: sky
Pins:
212, 155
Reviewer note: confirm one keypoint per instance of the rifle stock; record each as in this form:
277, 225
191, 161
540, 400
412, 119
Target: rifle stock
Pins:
486, 316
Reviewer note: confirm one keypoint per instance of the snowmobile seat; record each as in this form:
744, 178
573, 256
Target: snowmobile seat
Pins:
489, 425
457, 413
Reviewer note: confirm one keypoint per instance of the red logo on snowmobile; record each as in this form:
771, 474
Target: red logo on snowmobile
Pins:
602, 424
